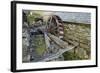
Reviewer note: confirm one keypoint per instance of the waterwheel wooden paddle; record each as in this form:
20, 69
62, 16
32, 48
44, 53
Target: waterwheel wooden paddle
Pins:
55, 26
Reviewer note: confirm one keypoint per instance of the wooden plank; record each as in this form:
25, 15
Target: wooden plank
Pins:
58, 41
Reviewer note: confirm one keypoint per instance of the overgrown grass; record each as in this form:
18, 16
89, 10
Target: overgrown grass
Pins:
81, 34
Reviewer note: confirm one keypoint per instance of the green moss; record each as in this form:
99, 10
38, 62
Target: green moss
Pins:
40, 44
71, 56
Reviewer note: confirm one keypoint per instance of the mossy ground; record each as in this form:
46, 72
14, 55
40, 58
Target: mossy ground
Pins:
40, 44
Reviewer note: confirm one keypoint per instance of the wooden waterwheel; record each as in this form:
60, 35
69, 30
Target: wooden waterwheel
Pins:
55, 26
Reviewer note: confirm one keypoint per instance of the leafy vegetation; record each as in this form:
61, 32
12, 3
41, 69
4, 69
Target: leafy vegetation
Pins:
31, 16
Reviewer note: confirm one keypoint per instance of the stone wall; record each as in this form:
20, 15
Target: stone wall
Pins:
81, 34
25, 43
